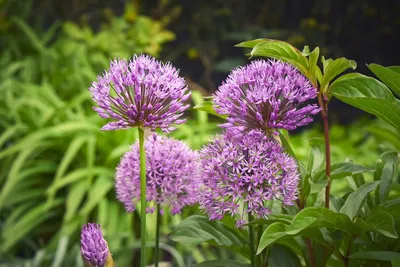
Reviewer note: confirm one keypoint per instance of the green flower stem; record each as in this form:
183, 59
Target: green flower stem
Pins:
142, 197
260, 230
251, 241
157, 247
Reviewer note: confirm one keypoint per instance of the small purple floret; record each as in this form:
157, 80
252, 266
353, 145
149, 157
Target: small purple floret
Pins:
265, 95
140, 92
172, 170
240, 176
94, 248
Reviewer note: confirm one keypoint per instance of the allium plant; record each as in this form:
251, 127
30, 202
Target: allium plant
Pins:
143, 93
94, 248
172, 170
241, 176
266, 95
140, 92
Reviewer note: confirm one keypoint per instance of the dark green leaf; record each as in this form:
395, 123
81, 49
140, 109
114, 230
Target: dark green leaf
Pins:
197, 229
286, 145
222, 263
369, 95
325, 62
387, 76
283, 218
251, 43
341, 170
281, 256
282, 51
276, 232
305, 182
316, 158
356, 200
207, 106
376, 255
394, 68
382, 222
310, 218
313, 59
334, 68
393, 207
273, 233
386, 171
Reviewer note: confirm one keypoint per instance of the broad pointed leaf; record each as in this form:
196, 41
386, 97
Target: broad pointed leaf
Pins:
283, 218
282, 51
386, 172
251, 43
336, 67
356, 200
222, 263
197, 229
388, 76
382, 222
310, 218
276, 232
369, 95
375, 255
281, 256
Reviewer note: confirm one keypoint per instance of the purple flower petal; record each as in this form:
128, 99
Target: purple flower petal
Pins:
140, 92
172, 170
94, 248
265, 95
241, 175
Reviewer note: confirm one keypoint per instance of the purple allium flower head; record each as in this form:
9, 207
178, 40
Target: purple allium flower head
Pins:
265, 95
172, 170
140, 92
94, 248
240, 176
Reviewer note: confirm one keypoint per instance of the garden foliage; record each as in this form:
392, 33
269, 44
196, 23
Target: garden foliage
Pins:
57, 169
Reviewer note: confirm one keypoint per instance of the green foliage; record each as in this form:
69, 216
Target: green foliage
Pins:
221, 263
369, 95
357, 214
197, 229
389, 75
140, 32
57, 168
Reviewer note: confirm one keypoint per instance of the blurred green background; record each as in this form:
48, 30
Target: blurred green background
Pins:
57, 168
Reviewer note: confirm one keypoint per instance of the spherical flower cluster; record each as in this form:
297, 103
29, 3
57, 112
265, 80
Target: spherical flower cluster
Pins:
172, 171
94, 248
265, 95
140, 92
240, 176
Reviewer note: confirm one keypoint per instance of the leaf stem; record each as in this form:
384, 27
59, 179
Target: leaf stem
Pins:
324, 111
251, 241
310, 252
157, 247
142, 153
346, 257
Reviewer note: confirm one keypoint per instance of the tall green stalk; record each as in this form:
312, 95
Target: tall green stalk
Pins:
142, 152
251, 241
260, 230
157, 247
